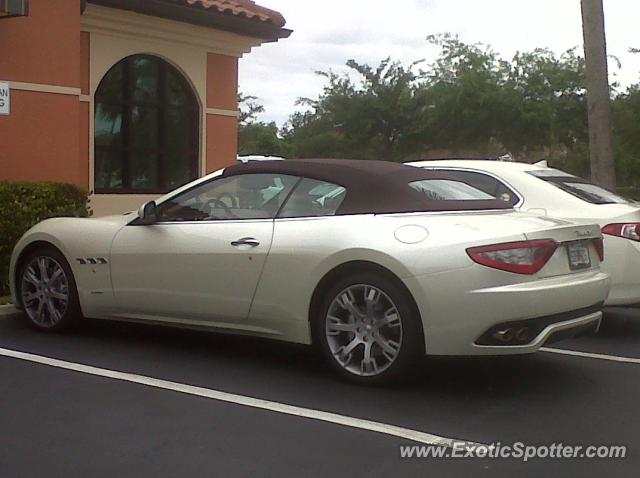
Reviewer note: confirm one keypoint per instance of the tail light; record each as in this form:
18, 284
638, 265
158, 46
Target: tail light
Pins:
599, 245
523, 257
628, 231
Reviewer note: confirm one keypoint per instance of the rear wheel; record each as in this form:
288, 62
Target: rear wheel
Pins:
48, 290
369, 329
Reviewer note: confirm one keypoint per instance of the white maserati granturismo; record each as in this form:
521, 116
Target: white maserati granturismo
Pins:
376, 263
539, 189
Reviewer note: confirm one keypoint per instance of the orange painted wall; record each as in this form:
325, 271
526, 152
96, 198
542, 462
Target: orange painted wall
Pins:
43, 47
85, 61
222, 141
222, 82
222, 93
40, 139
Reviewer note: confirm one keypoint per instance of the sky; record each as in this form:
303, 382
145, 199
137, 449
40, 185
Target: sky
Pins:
327, 33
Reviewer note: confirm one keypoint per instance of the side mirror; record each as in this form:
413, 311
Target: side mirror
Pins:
148, 213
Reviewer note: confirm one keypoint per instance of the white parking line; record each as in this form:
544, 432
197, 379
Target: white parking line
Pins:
575, 353
400, 432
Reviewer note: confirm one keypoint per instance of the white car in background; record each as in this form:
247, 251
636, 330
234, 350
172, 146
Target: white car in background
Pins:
537, 188
376, 263
256, 157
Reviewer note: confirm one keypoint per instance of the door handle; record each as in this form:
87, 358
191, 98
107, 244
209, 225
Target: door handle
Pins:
246, 241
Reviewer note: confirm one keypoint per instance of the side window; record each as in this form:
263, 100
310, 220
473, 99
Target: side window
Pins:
487, 184
313, 198
447, 190
246, 196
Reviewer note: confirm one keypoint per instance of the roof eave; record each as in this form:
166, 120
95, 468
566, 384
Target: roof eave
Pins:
206, 18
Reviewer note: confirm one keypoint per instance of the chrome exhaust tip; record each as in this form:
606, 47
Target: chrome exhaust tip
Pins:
523, 335
504, 335
516, 336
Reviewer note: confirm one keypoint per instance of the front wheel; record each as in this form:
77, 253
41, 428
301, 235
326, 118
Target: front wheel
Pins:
369, 329
48, 291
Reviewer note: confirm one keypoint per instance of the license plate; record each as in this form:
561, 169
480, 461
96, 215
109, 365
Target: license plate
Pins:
579, 257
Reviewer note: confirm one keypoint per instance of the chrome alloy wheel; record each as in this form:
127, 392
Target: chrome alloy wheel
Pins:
45, 291
363, 330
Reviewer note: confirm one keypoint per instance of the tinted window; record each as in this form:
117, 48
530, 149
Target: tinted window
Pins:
447, 190
248, 196
579, 188
313, 198
488, 184
146, 128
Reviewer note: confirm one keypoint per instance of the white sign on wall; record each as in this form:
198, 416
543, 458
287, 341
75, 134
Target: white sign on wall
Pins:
5, 99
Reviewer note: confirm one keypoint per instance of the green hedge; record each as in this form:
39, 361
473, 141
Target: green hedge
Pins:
24, 204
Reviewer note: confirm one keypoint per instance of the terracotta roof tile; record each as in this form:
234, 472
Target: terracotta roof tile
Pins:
239, 8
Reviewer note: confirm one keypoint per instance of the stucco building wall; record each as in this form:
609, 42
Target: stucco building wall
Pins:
58, 58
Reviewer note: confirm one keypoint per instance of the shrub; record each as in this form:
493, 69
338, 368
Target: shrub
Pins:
24, 204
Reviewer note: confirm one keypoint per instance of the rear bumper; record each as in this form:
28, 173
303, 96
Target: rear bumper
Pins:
456, 313
589, 328
554, 332
526, 332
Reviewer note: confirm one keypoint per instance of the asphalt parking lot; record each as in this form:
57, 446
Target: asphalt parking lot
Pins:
62, 419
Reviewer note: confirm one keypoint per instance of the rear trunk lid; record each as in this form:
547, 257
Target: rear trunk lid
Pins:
576, 250
616, 213
498, 224
566, 232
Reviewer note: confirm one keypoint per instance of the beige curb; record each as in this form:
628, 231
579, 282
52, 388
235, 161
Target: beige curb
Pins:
6, 310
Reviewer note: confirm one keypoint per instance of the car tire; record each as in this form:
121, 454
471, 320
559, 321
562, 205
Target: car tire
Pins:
47, 290
388, 325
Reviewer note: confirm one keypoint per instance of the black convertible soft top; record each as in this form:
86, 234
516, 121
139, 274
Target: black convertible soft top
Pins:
373, 187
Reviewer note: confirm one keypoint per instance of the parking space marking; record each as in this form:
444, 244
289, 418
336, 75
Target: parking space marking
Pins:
575, 353
362, 424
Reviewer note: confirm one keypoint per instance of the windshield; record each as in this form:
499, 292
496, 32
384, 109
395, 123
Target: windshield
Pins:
579, 188
448, 190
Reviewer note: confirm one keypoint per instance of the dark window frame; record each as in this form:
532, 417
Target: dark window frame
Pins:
516, 199
161, 105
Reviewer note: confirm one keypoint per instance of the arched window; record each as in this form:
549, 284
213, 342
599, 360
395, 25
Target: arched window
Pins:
146, 128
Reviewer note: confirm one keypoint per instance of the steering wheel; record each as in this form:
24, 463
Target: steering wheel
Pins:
217, 202
234, 200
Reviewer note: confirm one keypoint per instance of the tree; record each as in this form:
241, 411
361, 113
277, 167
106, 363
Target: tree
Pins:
470, 101
550, 94
260, 139
377, 116
598, 94
626, 116
479, 103
249, 108
255, 137
469, 104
